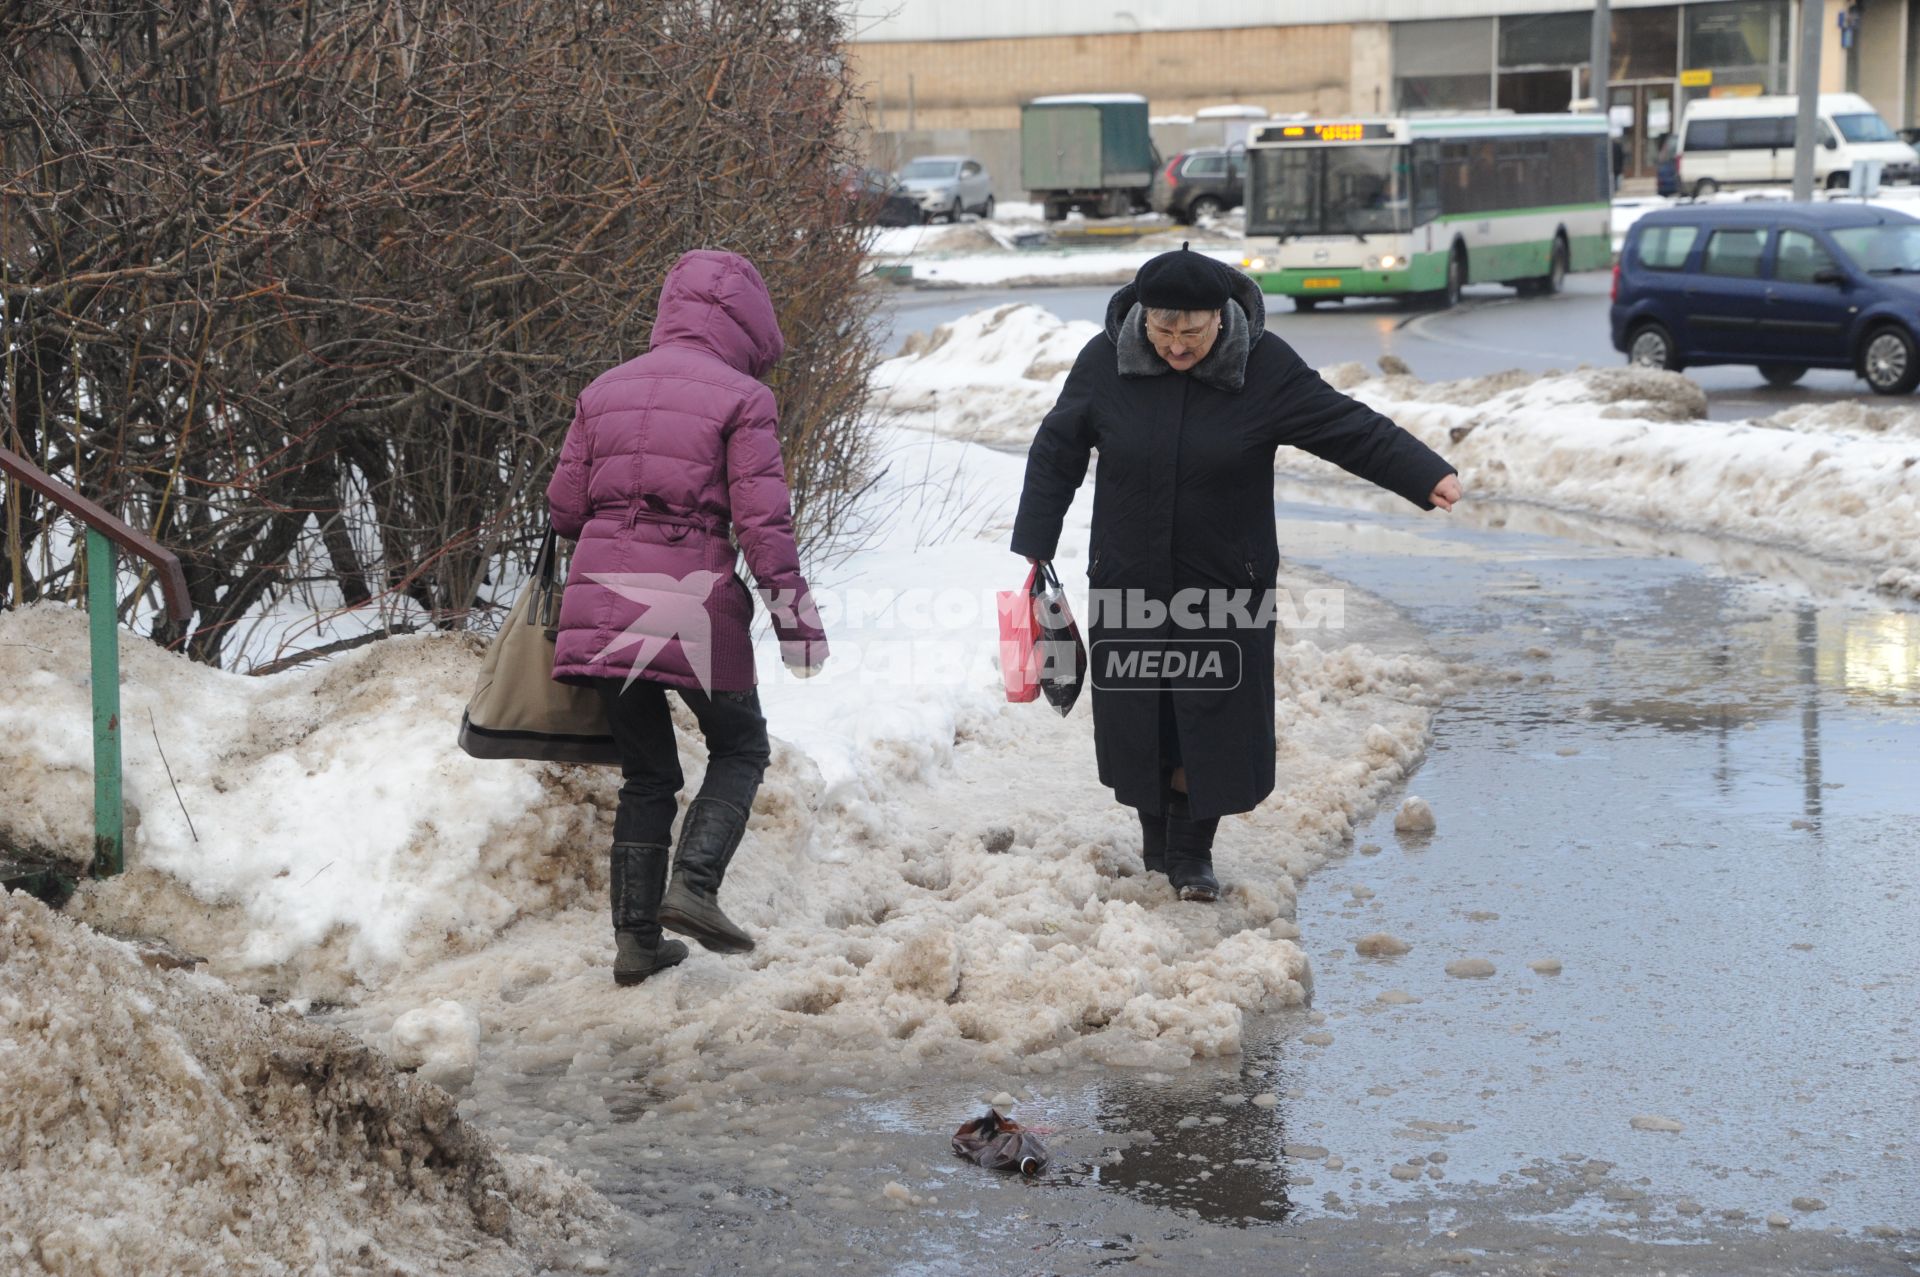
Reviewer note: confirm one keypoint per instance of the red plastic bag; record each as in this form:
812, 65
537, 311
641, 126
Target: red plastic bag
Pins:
1019, 642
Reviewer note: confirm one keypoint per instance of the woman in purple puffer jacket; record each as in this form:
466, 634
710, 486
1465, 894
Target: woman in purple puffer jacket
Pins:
666, 453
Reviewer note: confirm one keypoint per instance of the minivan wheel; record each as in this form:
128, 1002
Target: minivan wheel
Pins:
1838, 181
1889, 362
1652, 347
1704, 187
1782, 374
1204, 206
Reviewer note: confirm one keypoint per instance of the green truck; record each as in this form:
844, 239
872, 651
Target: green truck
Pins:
1087, 151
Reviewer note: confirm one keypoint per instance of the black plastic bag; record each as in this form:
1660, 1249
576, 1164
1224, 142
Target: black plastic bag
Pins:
1062, 656
1001, 1144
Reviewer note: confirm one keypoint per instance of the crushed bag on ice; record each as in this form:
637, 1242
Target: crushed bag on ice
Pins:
1062, 656
1000, 1144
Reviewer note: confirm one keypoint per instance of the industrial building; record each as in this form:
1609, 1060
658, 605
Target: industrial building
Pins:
951, 77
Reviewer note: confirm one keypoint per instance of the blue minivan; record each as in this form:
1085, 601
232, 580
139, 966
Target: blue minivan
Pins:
1784, 287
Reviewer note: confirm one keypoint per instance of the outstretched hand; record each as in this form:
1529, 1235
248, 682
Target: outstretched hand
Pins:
1446, 492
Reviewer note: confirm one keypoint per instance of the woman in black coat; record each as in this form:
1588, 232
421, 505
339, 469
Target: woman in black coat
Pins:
1187, 397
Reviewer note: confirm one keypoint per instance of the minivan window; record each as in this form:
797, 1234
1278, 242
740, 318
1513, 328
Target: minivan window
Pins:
1801, 257
1707, 135
1666, 247
1734, 253
1864, 127
1882, 250
1763, 133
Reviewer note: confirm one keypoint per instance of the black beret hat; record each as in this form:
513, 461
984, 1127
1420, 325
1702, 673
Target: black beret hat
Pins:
1183, 280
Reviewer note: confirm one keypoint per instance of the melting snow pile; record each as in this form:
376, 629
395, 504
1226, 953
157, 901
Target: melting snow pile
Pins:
156, 1122
1841, 480
931, 871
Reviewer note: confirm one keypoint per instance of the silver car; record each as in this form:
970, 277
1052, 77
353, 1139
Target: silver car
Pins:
948, 186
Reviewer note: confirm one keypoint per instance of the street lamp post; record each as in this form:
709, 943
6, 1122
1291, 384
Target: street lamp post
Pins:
1812, 15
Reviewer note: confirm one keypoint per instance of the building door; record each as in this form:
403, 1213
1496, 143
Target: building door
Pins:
1647, 114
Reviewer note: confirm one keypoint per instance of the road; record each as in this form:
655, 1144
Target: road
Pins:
1493, 330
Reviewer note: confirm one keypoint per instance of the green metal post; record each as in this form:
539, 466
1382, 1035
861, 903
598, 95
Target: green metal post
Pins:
103, 623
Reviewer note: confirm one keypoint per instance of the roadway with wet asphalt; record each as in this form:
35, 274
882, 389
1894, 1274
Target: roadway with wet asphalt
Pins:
1493, 330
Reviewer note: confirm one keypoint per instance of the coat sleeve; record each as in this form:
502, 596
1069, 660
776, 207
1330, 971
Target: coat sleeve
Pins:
1057, 461
762, 512
1316, 418
567, 502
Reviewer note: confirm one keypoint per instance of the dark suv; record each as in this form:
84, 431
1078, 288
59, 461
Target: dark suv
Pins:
1784, 287
1200, 183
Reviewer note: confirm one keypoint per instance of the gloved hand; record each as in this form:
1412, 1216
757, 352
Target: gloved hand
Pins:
803, 659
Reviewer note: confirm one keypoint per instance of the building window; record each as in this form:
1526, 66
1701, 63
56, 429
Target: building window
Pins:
1546, 40
1443, 66
1646, 44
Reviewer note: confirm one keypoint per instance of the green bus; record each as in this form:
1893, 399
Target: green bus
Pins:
1424, 205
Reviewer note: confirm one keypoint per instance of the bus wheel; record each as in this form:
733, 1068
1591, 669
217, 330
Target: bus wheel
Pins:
1652, 347
1556, 277
1305, 304
1704, 187
1890, 363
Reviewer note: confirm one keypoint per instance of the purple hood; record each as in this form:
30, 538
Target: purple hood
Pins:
718, 302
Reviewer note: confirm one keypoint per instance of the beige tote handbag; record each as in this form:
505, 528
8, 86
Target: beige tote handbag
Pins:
517, 710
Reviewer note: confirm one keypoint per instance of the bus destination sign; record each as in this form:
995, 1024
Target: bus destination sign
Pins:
1329, 131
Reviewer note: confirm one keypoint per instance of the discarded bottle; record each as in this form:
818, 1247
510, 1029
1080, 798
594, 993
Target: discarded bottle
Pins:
1000, 1144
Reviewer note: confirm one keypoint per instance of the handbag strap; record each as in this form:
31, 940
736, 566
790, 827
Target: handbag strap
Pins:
544, 613
1043, 580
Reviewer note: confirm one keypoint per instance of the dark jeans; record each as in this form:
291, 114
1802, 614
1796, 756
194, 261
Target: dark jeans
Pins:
642, 722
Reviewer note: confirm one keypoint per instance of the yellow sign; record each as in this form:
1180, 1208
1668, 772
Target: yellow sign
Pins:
1695, 79
1319, 283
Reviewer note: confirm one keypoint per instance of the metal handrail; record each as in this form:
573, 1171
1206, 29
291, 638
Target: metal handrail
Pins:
173, 581
104, 531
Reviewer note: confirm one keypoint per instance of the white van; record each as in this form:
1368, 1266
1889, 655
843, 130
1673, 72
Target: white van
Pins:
1729, 141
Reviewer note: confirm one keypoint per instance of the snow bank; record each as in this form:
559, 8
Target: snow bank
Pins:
988, 377
159, 1123
1625, 442
1837, 480
335, 832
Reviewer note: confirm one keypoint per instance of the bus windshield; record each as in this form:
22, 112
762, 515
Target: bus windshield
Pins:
1332, 190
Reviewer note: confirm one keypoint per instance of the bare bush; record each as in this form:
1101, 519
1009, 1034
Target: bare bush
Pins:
307, 290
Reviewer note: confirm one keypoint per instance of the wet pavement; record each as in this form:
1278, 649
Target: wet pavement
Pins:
1676, 819
1492, 331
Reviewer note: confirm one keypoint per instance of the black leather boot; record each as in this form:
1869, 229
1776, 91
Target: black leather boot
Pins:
639, 873
709, 836
1190, 852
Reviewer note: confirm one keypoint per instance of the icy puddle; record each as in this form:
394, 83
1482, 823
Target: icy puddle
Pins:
1643, 1000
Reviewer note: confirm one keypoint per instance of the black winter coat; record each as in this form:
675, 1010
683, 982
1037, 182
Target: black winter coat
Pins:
1183, 501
